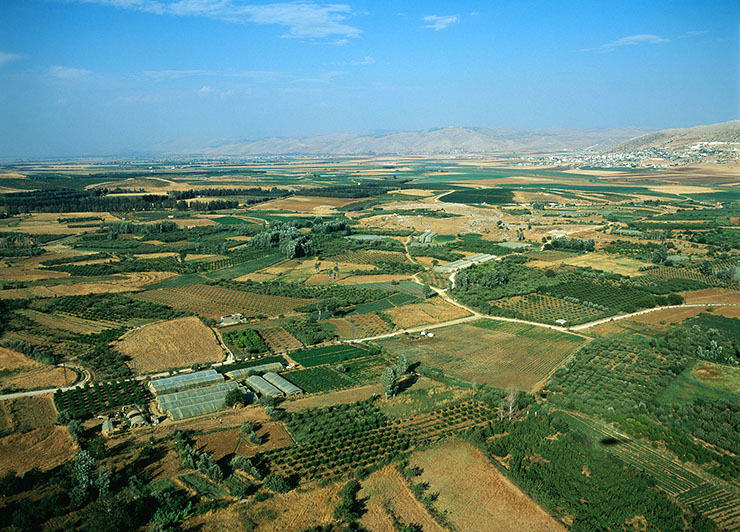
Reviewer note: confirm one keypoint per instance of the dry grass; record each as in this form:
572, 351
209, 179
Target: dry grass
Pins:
45, 448
125, 282
315, 204
386, 488
170, 344
67, 323
335, 398
433, 310
46, 222
607, 263
23, 373
492, 503
713, 295
27, 413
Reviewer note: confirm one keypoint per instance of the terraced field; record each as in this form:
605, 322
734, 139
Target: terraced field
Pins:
709, 496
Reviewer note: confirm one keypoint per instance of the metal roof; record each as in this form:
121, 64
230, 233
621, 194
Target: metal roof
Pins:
285, 386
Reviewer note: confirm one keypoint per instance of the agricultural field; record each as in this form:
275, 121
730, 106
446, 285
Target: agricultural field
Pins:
495, 353
433, 310
93, 398
547, 309
22, 373
170, 344
712, 498
370, 324
495, 504
278, 339
335, 354
212, 301
625, 425
26, 413
43, 448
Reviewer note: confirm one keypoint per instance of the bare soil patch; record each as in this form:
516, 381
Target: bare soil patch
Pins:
278, 339
170, 344
45, 448
308, 203
494, 503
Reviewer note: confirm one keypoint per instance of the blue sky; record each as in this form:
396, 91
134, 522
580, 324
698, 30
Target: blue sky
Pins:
97, 77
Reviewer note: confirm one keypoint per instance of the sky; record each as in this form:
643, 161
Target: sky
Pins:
105, 77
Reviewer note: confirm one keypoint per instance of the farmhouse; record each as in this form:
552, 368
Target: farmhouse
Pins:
462, 264
231, 319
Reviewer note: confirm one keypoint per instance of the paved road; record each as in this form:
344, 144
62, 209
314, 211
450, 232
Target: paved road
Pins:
86, 377
646, 311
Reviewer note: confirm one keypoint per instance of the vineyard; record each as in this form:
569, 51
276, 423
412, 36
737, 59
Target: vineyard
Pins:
369, 257
332, 440
613, 296
213, 301
278, 339
370, 324
547, 309
669, 272
83, 401
711, 499
111, 308
332, 354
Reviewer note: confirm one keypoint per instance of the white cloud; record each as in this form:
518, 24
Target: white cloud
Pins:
62, 73
694, 33
630, 40
367, 60
205, 89
6, 57
302, 19
324, 77
160, 75
440, 22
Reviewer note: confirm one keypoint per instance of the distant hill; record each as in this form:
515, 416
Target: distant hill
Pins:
724, 137
429, 141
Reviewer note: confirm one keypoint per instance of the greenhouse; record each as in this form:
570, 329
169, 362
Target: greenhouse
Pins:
196, 395
285, 386
255, 370
262, 387
185, 382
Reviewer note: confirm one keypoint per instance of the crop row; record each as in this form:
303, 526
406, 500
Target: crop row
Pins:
327, 355
89, 399
548, 309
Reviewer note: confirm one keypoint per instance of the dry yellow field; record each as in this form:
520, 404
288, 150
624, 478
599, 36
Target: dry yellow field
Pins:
47, 223
27, 413
713, 295
433, 310
607, 263
494, 504
307, 204
67, 322
123, 282
387, 488
24, 373
45, 448
170, 344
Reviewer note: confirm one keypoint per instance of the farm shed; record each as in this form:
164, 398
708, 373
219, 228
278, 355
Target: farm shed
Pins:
196, 401
135, 418
255, 370
108, 427
285, 386
185, 382
262, 387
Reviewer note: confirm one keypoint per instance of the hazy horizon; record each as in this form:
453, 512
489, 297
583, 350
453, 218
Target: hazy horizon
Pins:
99, 77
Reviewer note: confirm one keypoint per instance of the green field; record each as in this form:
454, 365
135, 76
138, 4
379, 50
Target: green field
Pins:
704, 380
495, 353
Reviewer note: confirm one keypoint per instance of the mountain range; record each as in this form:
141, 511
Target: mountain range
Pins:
466, 140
